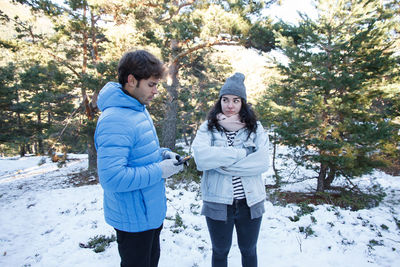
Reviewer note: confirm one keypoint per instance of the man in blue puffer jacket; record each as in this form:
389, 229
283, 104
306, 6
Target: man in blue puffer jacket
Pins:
131, 165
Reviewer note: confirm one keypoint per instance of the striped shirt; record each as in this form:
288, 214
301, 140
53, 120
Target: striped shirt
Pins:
238, 191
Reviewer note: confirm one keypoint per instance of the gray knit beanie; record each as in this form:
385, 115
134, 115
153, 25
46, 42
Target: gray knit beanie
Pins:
234, 85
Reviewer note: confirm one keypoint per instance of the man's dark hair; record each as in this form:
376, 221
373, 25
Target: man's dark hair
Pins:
141, 64
246, 115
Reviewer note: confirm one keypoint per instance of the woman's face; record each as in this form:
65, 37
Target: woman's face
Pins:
231, 105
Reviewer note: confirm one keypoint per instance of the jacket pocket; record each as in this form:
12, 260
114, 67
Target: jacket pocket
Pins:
143, 203
211, 183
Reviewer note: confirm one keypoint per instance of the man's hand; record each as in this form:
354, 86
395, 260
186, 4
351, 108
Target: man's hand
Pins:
169, 168
172, 155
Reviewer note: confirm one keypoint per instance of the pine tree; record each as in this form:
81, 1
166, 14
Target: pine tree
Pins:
8, 100
179, 29
43, 90
339, 67
87, 37
74, 42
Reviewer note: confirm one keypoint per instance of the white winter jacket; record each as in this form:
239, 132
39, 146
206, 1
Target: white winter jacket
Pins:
219, 162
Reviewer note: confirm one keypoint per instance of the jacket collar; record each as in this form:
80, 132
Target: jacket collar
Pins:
113, 95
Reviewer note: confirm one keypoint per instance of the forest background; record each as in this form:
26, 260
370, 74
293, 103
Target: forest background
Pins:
333, 97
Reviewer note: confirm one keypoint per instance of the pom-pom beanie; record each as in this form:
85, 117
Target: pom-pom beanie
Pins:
234, 85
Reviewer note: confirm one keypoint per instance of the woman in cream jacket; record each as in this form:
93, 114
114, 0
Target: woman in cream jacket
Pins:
231, 148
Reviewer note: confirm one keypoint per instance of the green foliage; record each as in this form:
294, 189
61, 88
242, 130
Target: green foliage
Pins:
261, 36
34, 99
86, 38
308, 231
340, 197
304, 209
397, 221
294, 218
384, 227
99, 243
373, 243
55, 69
360, 200
326, 105
47, 6
201, 80
8, 98
179, 226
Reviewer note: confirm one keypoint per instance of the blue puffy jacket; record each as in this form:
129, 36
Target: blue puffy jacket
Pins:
128, 153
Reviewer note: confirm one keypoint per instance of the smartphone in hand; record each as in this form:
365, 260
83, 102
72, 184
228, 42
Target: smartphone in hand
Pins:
183, 160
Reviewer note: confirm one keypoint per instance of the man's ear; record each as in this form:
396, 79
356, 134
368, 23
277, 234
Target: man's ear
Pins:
132, 80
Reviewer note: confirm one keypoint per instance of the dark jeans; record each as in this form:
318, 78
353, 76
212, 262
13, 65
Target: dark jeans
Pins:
141, 249
247, 234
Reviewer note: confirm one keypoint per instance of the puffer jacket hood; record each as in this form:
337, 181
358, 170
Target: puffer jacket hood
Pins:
111, 95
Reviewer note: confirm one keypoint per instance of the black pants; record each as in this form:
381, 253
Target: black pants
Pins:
247, 231
141, 249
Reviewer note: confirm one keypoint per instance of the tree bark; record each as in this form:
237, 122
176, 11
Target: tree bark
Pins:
171, 107
22, 150
92, 153
330, 178
95, 53
321, 178
40, 148
277, 176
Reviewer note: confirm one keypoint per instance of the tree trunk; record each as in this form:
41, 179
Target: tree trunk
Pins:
330, 178
277, 176
92, 153
321, 178
39, 148
171, 108
185, 138
95, 53
85, 44
28, 148
22, 150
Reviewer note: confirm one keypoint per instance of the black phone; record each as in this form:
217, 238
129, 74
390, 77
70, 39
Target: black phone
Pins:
183, 160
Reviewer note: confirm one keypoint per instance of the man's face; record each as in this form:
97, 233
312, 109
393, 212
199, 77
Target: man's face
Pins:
144, 91
231, 105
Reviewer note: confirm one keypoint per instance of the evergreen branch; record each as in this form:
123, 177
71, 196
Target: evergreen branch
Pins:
205, 74
25, 27
68, 120
65, 64
201, 46
146, 4
184, 5
177, 11
348, 179
47, 6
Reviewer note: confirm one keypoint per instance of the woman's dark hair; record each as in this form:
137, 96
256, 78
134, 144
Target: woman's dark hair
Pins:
141, 64
246, 114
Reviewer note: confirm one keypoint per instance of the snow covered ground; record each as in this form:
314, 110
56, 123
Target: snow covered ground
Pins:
43, 219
